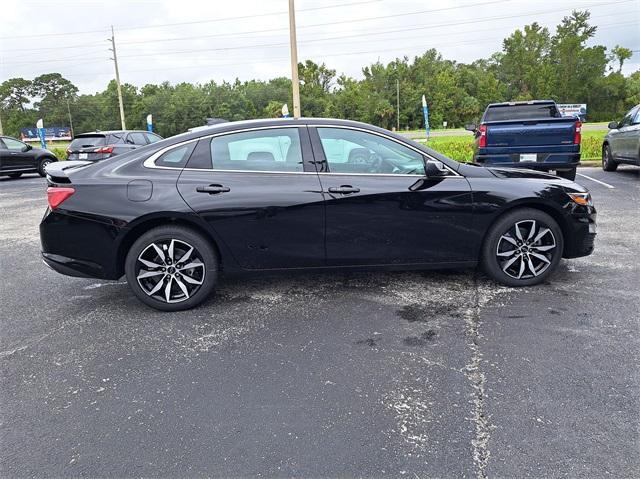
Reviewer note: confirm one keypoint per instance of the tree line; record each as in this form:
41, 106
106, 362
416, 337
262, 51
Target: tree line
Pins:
533, 64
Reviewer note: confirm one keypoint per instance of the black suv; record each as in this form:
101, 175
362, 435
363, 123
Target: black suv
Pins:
16, 158
100, 145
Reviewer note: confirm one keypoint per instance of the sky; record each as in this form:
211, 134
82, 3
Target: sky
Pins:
199, 41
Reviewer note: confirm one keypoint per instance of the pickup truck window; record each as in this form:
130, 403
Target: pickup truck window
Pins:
521, 112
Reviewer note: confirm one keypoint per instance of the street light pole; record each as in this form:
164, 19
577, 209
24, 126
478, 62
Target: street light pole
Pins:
397, 104
115, 61
294, 60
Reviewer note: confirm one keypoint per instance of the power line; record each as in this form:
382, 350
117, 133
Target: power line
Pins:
235, 34
215, 20
403, 29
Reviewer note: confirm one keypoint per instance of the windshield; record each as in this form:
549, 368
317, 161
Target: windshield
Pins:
521, 112
87, 141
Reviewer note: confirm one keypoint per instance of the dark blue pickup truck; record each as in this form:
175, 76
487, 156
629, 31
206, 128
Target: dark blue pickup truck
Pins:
529, 134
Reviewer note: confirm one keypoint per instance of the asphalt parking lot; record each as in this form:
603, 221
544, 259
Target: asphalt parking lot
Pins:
373, 375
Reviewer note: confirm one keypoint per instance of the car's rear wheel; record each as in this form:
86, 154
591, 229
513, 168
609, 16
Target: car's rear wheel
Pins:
14, 175
608, 163
171, 268
522, 248
43, 164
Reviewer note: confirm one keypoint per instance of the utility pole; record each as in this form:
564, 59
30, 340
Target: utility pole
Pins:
70, 120
398, 104
1, 130
295, 83
115, 61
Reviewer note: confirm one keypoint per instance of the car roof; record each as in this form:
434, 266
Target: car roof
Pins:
108, 132
206, 130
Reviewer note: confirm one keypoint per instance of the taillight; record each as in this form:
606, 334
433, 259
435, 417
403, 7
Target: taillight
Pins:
56, 195
577, 136
104, 149
482, 139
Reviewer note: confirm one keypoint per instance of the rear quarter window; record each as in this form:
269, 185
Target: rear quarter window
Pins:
176, 157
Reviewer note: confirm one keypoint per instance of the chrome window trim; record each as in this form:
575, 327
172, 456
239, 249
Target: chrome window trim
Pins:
390, 138
150, 162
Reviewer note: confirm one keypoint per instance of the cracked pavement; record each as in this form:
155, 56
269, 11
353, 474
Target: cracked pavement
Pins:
434, 374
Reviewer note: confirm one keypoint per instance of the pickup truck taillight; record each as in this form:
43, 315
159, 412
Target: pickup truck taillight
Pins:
57, 195
577, 136
482, 139
104, 149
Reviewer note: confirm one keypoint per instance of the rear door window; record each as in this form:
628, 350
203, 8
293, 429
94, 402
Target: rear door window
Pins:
275, 149
521, 112
87, 142
114, 138
152, 138
137, 138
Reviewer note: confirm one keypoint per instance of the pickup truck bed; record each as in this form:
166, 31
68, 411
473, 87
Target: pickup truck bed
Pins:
545, 143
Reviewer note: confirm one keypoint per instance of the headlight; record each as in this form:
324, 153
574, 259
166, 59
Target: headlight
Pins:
582, 199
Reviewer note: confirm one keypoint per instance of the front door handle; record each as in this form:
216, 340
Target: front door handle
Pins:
344, 189
213, 189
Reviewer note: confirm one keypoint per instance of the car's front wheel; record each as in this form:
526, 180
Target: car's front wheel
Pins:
608, 163
172, 268
522, 248
43, 164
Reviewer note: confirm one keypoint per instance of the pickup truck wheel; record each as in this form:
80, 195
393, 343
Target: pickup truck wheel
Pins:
171, 268
569, 174
522, 248
608, 163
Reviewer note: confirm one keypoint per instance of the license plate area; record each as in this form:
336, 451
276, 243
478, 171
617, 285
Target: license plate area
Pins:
528, 158
83, 156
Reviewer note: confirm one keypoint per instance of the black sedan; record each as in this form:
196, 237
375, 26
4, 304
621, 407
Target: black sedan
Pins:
313, 194
17, 158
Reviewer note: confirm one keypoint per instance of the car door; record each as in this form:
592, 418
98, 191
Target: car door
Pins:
620, 138
634, 137
380, 206
259, 192
16, 156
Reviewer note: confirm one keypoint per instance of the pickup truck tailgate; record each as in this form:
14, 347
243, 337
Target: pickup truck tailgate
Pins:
528, 133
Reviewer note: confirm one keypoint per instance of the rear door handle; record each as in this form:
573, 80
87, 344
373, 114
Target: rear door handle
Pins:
213, 189
344, 189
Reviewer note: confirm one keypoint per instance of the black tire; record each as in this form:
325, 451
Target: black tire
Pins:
14, 175
42, 165
168, 271
608, 163
568, 174
495, 250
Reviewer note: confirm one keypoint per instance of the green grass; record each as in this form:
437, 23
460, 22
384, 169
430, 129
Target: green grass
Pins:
460, 148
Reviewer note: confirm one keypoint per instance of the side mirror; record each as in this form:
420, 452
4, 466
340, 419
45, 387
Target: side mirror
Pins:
613, 125
435, 169
27, 148
471, 127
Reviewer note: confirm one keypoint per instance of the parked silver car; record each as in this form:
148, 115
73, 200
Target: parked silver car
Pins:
622, 143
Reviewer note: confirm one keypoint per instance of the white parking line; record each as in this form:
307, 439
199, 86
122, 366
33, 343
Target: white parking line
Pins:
597, 181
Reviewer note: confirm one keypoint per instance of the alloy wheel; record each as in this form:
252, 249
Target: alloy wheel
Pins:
170, 270
526, 250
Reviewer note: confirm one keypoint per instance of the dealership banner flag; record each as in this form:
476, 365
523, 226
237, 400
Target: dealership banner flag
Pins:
425, 112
